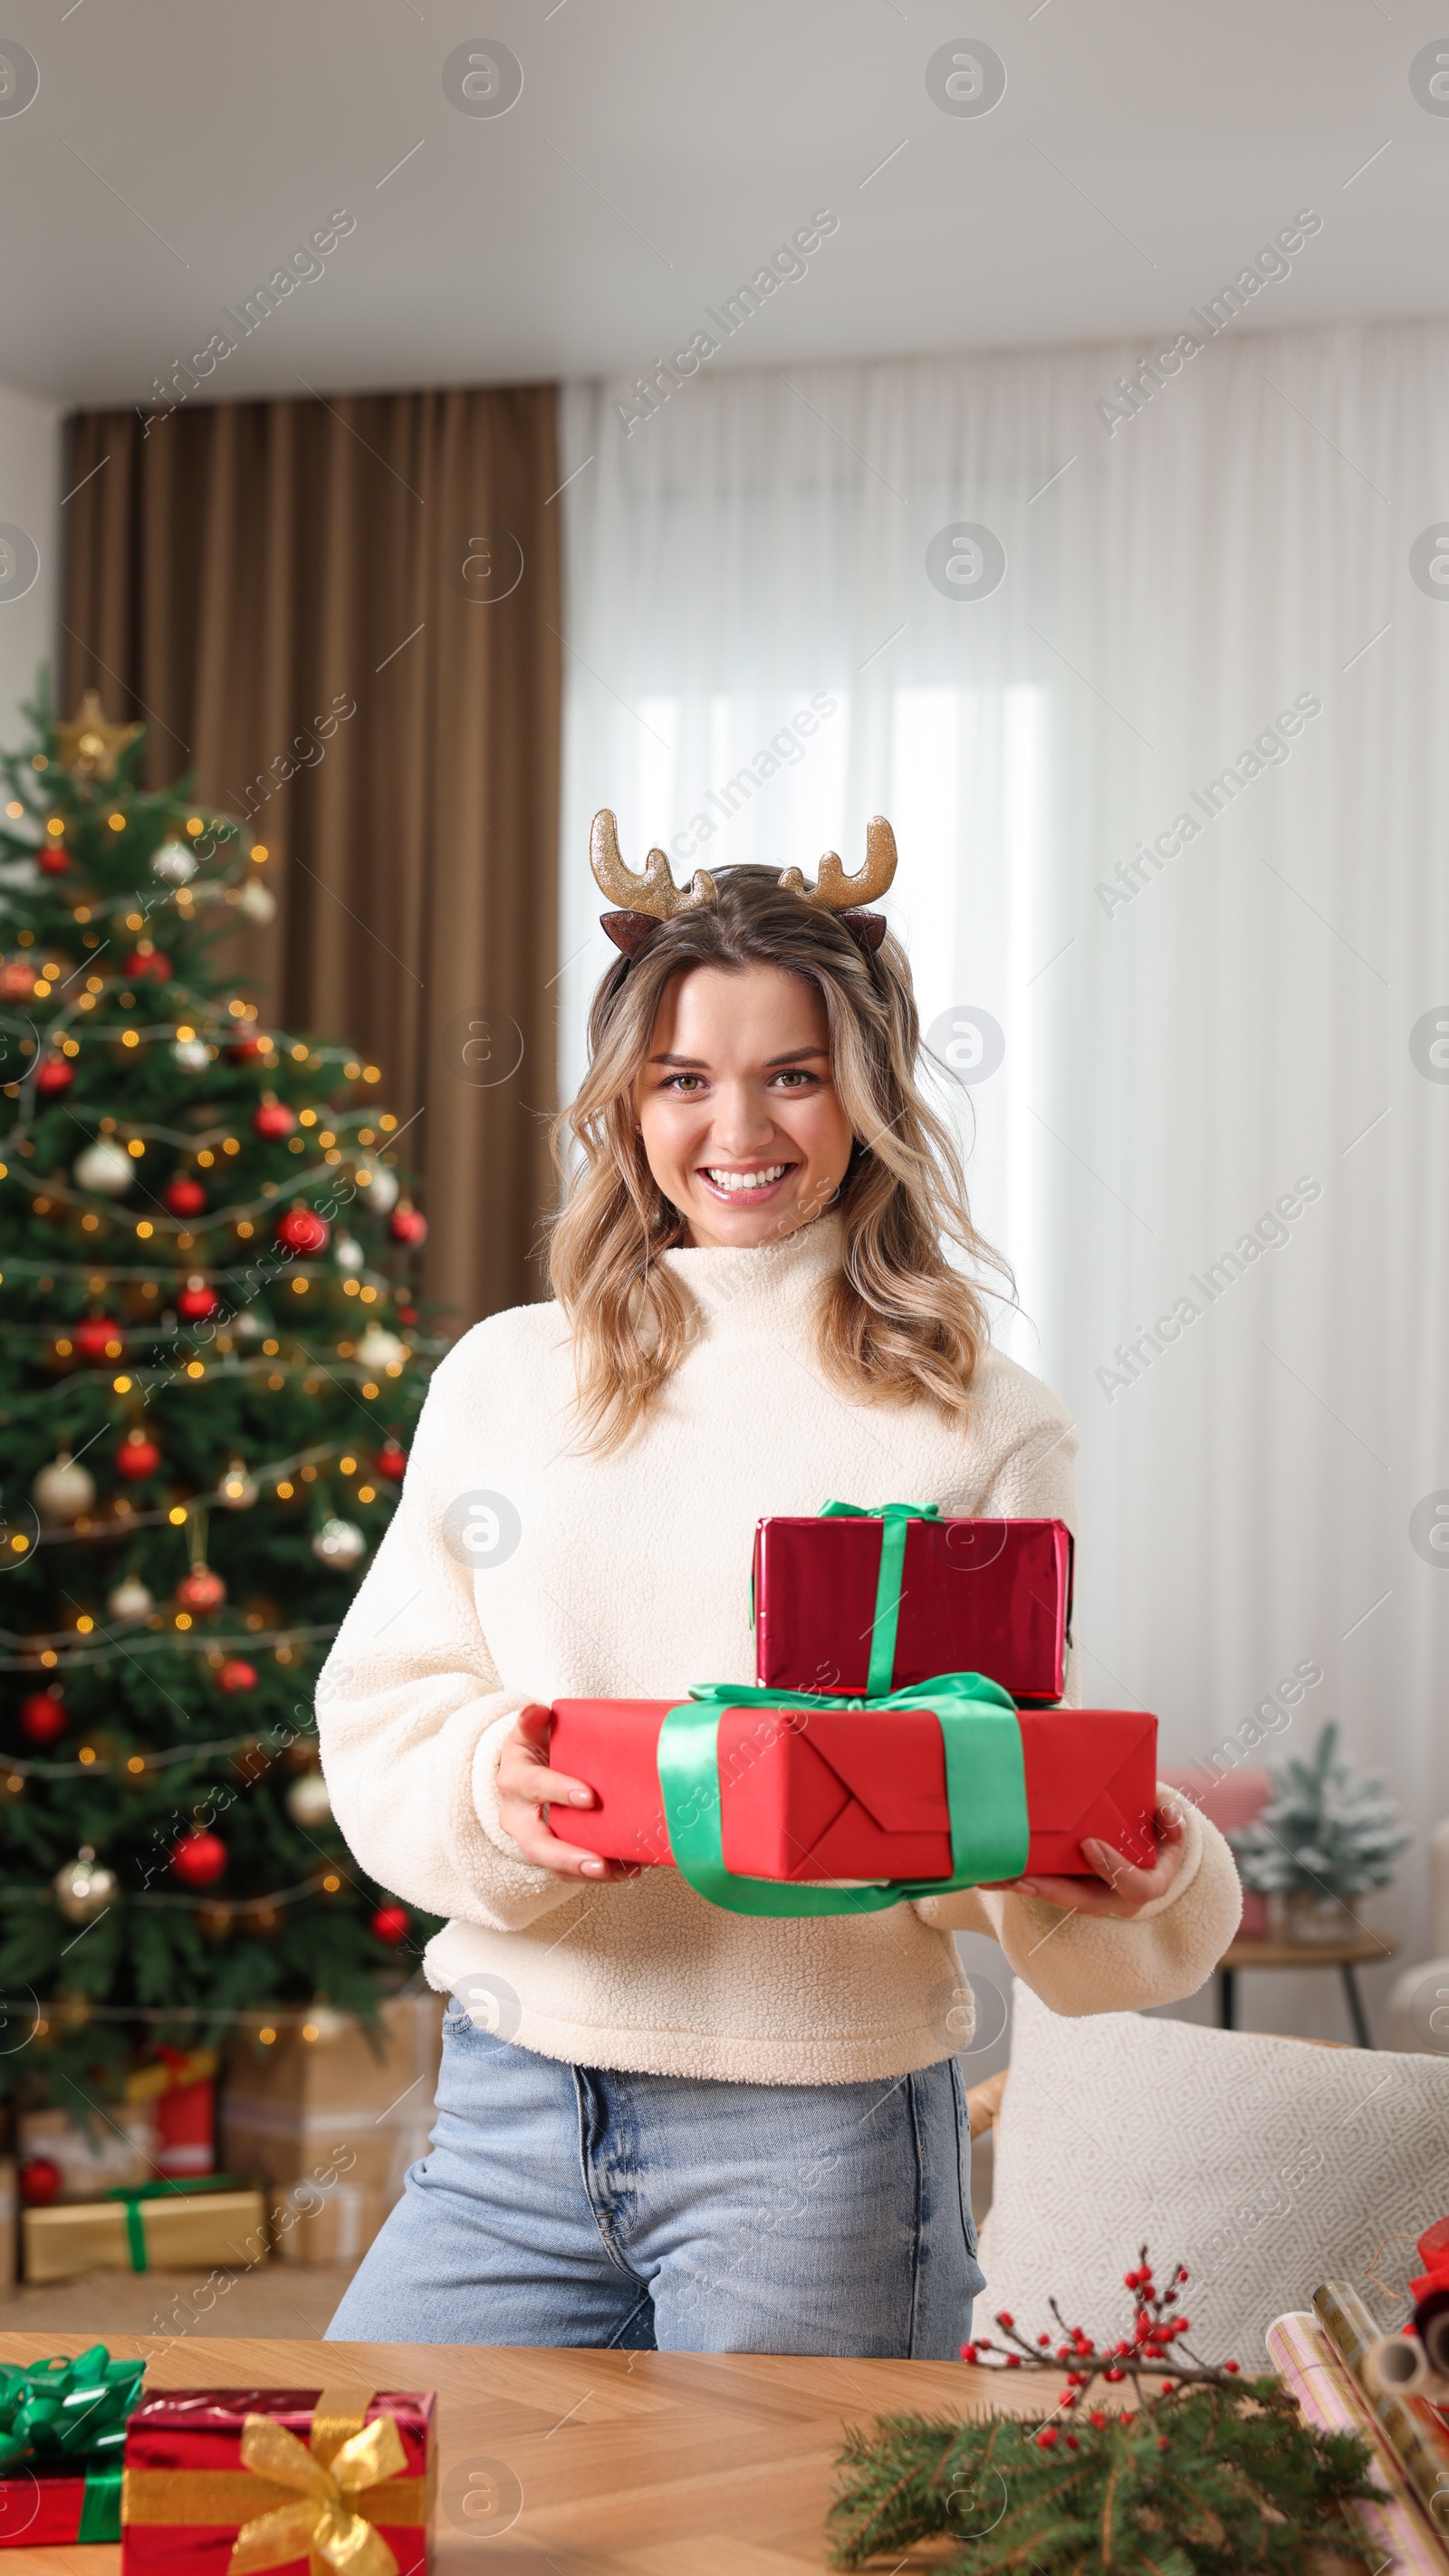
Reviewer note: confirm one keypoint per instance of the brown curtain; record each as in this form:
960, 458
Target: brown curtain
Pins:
342, 618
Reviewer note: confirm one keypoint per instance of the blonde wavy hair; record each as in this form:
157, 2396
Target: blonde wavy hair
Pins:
897, 1322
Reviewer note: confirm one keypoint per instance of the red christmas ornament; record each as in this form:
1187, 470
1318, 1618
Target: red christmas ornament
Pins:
42, 1717
97, 1337
201, 1590
199, 1859
196, 1301
41, 2182
391, 1924
53, 859
237, 1674
53, 1074
273, 1118
245, 1050
392, 1462
137, 1457
301, 1231
17, 980
183, 1196
148, 962
407, 1314
408, 1225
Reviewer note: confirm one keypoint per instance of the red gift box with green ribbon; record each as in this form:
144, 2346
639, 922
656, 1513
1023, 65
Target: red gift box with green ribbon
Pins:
761, 1797
855, 1601
62, 2439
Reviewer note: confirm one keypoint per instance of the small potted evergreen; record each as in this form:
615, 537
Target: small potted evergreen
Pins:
1327, 1835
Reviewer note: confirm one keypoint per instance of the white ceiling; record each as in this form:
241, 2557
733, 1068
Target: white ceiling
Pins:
179, 150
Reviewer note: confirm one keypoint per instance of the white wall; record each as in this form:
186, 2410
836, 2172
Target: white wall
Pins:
30, 460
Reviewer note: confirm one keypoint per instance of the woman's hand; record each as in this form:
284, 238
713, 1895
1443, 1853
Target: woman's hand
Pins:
526, 1786
1123, 1889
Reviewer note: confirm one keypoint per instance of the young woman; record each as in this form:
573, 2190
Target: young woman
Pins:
661, 2124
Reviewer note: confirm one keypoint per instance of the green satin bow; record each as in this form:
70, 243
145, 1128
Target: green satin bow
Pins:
893, 1518
985, 1790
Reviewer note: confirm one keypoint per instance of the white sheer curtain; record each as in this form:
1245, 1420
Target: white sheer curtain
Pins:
1182, 1051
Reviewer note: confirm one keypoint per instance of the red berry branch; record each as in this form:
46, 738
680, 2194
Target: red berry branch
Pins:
1151, 2351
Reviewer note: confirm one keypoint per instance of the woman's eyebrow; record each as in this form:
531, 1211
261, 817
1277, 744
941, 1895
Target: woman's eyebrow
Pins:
697, 1064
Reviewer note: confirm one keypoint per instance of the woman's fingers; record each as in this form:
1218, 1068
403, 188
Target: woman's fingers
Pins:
1120, 1887
531, 1779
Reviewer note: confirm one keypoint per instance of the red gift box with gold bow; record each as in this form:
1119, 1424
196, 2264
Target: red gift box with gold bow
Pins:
296, 2482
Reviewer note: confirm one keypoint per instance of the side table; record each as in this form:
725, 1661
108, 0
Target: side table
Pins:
1363, 1949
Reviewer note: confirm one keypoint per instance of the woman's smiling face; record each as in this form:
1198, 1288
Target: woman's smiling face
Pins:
742, 1125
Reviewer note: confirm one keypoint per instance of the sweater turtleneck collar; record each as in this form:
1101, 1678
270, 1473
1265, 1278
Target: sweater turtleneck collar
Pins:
740, 1288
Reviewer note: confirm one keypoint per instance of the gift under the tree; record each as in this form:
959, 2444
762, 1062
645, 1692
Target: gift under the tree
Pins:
858, 1601
777, 1792
231, 2481
148, 2227
62, 2437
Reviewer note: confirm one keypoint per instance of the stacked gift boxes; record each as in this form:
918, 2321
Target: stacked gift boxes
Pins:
902, 1732
329, 2113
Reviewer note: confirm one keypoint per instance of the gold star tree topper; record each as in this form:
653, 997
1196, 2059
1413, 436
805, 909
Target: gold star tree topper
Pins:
89, 745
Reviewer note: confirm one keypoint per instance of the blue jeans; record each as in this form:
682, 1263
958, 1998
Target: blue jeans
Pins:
579, 2205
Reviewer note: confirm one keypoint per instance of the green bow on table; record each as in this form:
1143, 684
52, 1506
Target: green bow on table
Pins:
68, 2419
985, 1790
893, 1518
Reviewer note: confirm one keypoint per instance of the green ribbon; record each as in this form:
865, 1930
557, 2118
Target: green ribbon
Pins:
133, 2193
69, 2418
893, 1518
100, 2514
985, 1791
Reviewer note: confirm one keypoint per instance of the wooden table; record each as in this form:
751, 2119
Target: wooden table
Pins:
1363, 1950
638, 2464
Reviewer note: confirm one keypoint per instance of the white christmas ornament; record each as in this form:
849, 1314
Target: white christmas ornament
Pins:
251, 1325
307, 1800
348, 1253
339, 1544
379, 1349
379, 1187
257, 902
84, 1886
63, 1490
104, 1166
174, 863
192, 1053
130, 1599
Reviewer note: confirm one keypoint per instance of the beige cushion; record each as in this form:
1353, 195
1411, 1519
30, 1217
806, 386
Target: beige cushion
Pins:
1264, 2166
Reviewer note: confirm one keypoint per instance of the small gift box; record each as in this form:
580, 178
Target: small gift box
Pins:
860, 1601
949, 1785
147, 2227
231, 2481
62, 2434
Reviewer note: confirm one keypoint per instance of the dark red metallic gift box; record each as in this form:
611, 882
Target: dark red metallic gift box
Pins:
186, 2492
977, 1596
828, 1793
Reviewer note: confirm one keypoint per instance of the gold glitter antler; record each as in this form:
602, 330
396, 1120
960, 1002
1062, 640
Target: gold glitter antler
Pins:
651, 890
833, 890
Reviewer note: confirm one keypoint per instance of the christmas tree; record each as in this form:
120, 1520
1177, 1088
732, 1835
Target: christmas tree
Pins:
210, 1366
1328, 1831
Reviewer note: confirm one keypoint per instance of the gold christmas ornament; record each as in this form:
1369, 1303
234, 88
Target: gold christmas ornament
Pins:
63, 1489
88, 744
339, 1544
84, 1887
307, 1801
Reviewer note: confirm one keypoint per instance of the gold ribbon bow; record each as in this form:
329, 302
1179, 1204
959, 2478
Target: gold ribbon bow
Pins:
324, 2524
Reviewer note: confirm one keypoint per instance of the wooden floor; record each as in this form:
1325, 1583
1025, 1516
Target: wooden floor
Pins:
270, 2299
592, 2463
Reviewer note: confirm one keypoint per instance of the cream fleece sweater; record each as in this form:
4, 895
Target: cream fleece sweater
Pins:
631, 1579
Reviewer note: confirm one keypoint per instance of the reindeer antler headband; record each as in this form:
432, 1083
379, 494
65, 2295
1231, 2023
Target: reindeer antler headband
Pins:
650, 896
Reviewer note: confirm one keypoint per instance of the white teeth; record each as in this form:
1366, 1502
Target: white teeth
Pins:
738, 1181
